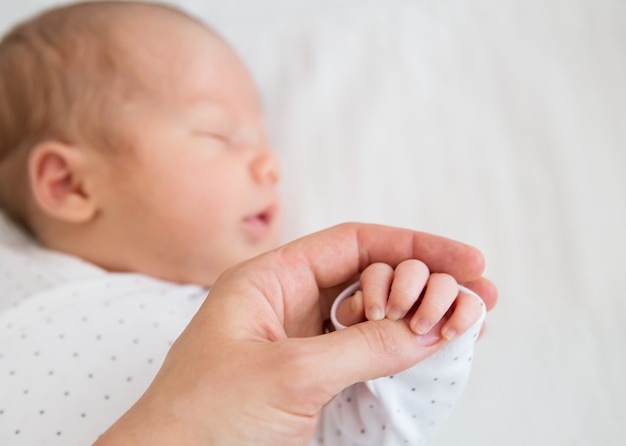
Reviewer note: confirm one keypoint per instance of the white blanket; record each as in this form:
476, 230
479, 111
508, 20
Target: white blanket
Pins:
499, 123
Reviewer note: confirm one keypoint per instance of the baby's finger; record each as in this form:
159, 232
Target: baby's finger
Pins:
409, 280
350, 310
467, 310
441, 292
486, 290
375, 282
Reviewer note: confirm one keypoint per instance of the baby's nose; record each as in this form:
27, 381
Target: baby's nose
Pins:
265, 167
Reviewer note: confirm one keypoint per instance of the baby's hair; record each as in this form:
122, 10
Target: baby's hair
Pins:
63, 76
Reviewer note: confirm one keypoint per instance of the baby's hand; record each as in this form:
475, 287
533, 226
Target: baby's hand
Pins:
433, 303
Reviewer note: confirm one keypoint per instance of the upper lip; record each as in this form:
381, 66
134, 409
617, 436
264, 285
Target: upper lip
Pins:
266, 215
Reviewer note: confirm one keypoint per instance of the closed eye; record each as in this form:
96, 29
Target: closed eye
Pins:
213, 135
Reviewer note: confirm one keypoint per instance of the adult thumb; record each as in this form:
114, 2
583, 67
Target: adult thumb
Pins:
365, 351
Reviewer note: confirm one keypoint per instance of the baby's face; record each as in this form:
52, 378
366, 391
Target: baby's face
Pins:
199, 191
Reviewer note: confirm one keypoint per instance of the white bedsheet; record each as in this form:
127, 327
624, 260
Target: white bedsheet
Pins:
499, 123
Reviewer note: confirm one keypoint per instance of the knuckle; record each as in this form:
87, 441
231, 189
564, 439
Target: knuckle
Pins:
380, 271
444, 278
380, 340
376, 279
414, 266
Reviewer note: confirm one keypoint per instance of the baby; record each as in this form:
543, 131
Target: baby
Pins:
134, 155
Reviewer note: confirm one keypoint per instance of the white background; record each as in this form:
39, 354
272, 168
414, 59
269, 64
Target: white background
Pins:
501, 123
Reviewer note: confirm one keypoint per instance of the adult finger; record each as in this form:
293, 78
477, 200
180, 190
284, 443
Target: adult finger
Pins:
365, 351
335, 255
341, 251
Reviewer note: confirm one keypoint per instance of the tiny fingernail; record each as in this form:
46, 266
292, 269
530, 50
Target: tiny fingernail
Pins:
394, 313
449, 333
375, 313
428, 339
421, 326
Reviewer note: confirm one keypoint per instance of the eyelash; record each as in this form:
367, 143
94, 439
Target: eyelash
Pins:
217, 136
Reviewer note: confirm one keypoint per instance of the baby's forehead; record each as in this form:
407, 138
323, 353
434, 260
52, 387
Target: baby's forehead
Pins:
161, 28
165, 42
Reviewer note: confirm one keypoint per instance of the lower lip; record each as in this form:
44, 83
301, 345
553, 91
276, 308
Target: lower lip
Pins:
258, 227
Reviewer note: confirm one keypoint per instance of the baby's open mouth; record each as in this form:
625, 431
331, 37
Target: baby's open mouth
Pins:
259, 224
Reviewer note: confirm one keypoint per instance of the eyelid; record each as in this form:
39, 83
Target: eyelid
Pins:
222, 136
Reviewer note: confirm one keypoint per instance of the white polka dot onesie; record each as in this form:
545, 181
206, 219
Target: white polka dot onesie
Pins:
79, 345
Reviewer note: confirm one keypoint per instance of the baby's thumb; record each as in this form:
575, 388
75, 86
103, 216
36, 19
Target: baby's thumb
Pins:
349, 311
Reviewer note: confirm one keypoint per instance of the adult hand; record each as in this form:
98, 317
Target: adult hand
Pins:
248, 370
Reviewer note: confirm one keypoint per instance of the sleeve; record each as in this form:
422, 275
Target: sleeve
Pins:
405, 408
75, 358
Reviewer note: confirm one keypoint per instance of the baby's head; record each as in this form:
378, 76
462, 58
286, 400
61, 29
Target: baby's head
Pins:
131, 136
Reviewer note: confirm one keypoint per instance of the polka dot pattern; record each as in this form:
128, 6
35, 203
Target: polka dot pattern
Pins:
78, 346
402, 409
77, 349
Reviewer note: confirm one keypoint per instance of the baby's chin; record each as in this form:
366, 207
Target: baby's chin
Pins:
208, 276
261, 246
205, 267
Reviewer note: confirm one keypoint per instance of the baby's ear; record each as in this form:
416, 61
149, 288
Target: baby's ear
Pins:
58, 178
